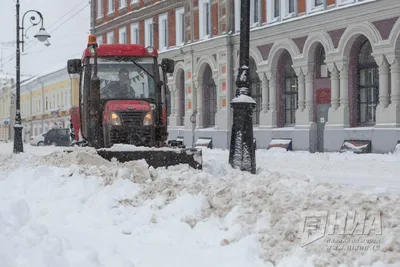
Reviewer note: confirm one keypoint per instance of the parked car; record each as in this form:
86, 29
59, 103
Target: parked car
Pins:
58, 137
37, 140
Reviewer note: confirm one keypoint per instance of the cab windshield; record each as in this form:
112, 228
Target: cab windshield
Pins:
126, 78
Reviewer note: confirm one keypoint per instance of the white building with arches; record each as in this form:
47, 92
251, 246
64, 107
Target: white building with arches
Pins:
322, 72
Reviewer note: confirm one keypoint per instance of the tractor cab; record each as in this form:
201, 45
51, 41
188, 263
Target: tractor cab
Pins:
122, 95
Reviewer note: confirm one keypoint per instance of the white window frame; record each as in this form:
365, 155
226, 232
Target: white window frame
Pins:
311, 7
179, 24
202, 19
285, 9
99, 9
162, 37
100, 40
134, 2
122, 4
237, 15
271, 11
110, 6
149, 36
110, 35
253, 22
122, 35
135, 35
346, 2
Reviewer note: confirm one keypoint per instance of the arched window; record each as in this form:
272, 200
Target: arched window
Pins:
209, 98
367, 87
290, 91
321, 68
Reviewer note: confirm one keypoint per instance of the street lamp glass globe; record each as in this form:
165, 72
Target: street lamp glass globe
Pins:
42, 35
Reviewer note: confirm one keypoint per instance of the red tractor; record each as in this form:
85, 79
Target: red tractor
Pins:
122, 100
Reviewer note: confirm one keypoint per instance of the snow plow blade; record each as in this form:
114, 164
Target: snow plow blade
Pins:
158, 158
155, 158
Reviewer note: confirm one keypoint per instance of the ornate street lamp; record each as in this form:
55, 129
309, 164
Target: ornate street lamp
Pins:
42, 36
242, 148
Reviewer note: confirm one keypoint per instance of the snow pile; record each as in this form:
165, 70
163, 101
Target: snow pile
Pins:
75, 209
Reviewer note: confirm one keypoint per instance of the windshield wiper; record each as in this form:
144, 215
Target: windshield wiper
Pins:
148, 73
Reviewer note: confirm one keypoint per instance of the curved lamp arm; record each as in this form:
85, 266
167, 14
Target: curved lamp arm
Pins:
33, 20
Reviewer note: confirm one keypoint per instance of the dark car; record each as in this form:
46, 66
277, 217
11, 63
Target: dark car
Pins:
58, 137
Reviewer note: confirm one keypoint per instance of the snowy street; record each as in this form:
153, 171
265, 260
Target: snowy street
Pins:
79, 210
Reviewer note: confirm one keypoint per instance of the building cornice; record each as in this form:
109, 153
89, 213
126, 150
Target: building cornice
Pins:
138, 15
336, 18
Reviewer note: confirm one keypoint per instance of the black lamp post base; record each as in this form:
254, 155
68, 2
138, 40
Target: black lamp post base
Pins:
18, 144
242, 153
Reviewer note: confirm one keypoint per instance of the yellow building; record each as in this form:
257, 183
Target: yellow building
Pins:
5, 107
46, 100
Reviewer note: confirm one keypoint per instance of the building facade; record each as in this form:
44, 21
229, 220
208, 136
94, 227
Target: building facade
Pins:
6, 108
321, 71
46, 100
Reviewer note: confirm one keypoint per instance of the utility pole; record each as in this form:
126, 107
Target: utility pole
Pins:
93, 21
242, 148
42, 36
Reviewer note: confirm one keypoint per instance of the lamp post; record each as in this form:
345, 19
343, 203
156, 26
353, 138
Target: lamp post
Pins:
242, 147
42, 36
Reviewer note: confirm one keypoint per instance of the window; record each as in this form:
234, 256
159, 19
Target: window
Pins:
47, 103
368, 86
110, 38
134, 1
273, 10
345, 2
205, 19
62, 99
316, 5
289, 8
149, 32
122, 4
122, 35
163, 31
66, 98
58, 100
100, 39
289, 91
255, 12
321, 69
135, 33
99, 8
180, 26
110, 6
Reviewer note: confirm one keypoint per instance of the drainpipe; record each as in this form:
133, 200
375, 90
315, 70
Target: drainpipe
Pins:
43, 103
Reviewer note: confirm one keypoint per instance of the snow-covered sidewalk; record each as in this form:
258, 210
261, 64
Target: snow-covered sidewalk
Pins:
79, 210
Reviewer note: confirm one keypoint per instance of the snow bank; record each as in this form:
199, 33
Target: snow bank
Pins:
74, 209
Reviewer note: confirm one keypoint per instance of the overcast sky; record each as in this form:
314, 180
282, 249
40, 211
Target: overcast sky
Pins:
68, 22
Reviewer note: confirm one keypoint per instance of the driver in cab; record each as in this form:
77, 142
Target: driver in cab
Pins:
121, 88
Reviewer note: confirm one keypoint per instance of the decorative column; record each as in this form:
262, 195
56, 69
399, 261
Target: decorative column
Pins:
383, 81
309, 81
395, 82
388, 114
199, 103
264, 91
335, 87
344, 85
339, 113
271, 118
